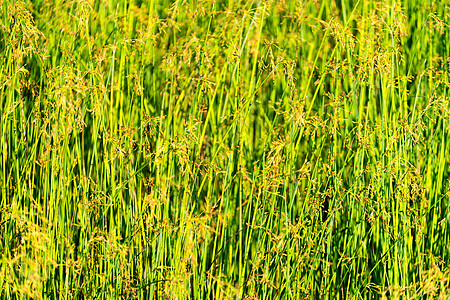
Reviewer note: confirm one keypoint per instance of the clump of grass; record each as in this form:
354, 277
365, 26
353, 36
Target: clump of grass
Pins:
224, 149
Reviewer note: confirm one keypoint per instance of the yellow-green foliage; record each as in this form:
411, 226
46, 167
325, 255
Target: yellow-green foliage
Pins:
224, 149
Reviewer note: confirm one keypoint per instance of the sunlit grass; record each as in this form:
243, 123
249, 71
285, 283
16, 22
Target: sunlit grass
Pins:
224, 149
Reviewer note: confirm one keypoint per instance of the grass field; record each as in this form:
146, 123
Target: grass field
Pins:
224, 149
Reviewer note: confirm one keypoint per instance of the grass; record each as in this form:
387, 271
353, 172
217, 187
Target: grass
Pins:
224, 149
